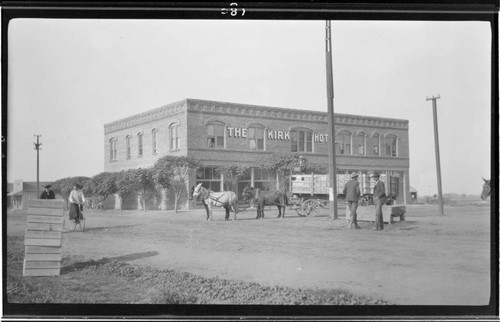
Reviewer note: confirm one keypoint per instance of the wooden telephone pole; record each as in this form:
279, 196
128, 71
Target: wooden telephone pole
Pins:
331, 122
436, 143
37, 148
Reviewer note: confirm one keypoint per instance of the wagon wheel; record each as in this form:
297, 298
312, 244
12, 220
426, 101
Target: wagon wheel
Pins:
306, 208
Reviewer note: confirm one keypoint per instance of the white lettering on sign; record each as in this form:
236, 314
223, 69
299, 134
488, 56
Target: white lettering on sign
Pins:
320, 137
273, 134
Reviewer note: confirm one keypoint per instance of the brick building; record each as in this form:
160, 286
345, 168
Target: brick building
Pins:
220, 133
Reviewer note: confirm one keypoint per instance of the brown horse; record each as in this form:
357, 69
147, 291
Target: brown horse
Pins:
268, 198
226, 199
486, 189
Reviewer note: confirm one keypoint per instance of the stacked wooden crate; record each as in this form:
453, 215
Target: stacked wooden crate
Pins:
42, 239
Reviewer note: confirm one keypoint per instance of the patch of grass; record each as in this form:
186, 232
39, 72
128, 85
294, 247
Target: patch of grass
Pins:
122, 283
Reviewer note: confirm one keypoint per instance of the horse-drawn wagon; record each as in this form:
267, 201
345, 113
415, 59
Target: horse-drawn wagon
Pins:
311, 191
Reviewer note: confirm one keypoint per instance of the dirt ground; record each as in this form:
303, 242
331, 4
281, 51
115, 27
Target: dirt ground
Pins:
428, 259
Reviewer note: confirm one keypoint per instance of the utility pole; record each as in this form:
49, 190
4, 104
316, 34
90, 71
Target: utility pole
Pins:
37, 148
436, 143
331, 124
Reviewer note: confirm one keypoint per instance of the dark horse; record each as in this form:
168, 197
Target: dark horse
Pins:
268, 198
486, 189
226, 199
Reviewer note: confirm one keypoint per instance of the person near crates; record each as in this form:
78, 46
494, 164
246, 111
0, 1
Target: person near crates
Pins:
379, 197
47, 193
352, 194
76, 200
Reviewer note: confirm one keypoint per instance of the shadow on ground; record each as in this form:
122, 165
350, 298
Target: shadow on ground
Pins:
104, 260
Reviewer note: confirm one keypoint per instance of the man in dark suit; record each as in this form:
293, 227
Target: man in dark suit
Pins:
48, 194
379, 197
352, 194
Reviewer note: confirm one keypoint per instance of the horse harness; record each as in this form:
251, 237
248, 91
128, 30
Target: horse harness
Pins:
208, 196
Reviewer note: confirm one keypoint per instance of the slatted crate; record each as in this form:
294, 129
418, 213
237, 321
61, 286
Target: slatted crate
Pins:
42, 238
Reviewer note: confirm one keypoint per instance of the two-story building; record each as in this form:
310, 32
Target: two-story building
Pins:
220, 133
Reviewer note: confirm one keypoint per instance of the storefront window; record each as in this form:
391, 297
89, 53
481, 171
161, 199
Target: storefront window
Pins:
209, 178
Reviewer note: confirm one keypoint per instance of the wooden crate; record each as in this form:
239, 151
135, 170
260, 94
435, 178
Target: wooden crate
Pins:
42, 238
367, 213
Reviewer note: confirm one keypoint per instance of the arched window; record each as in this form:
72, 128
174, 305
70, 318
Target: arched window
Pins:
343, 142
173, 131
127, 148
391, 146
256, 137
139, 144
301, 140
112, 149
154, 141
376, 144
215, 135
361, 141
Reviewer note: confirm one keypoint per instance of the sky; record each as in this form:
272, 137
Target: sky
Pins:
67, 78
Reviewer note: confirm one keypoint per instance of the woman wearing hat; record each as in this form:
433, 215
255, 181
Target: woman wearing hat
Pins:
47, 194
76, 201
379, 197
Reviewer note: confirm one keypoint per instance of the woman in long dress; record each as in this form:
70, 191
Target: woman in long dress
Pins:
76, 201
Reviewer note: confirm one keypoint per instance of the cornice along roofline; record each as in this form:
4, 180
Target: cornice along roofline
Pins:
146, 117
190, 104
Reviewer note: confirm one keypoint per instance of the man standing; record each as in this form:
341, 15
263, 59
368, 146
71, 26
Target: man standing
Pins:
47, 194
352, 194
379, 197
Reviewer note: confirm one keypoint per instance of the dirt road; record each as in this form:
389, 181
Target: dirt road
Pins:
428, 259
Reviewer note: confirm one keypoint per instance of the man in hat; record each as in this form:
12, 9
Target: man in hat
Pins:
352, 194
379, 197
47, 193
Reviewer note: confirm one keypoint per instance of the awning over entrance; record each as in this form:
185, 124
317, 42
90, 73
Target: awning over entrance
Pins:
11, 194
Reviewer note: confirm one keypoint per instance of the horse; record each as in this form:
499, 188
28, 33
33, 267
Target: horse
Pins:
226, 199
276, 198
486, 189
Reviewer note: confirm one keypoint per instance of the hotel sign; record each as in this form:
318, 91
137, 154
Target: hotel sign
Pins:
273, 134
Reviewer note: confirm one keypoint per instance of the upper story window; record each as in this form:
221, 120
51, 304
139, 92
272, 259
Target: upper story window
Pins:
154, 141
376, 144
256, 138
215, 135
391, 146
343, 142
112, 149
127, 148
301, 140
361, 141
173, 133
139, 144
